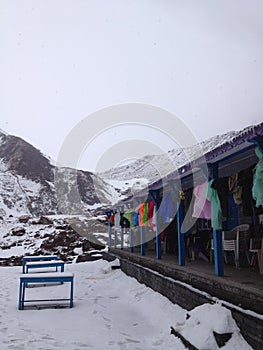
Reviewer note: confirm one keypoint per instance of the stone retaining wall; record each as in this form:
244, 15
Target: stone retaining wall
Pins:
188, 297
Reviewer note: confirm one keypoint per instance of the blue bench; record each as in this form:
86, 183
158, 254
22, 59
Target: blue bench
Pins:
37, 258
43, 264
43, 278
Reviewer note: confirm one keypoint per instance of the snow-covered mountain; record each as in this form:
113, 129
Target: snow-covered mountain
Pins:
27, 182
154, 167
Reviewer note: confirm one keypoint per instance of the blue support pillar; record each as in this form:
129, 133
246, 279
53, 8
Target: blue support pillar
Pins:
121, 237
218, 253
131, 240
158, 236
142, 234
181, 245
109, 233
115, 237
217, 236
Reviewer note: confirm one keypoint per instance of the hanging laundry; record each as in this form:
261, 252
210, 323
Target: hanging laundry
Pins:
124, 222
145, 214
132, 216
202, 206
128, 215
153, 220
221, 185
109, 214
112, 218
140, 211
117, 219
216, 211
235, 189
166, 210
245, 180
135, 218
150, 212
257, 188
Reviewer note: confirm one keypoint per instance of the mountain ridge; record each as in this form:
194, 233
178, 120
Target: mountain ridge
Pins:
27, 181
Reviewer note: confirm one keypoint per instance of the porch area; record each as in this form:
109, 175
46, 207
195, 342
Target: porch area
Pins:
242, 287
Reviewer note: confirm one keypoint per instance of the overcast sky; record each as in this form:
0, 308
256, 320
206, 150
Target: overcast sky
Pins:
62, 60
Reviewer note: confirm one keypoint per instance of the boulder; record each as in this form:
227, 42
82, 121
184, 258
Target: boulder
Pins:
45, 221
18, 231
24, 218
87, 257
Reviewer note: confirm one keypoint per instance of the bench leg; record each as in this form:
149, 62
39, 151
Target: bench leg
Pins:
61, 270
21, 295
71, 295
26, 270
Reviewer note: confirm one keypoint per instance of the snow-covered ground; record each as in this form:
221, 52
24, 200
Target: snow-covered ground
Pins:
111, 311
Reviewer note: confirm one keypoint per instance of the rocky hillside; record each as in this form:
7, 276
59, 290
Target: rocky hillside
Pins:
27, 183
49, 235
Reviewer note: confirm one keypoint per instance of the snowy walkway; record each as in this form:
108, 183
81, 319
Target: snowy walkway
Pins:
111, 311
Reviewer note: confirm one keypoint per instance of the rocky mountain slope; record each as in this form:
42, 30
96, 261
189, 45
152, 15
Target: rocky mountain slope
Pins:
27, 183
49, 235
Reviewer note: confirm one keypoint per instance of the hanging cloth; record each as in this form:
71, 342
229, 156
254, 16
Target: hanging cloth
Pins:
112, 219
153, 220
142, 210
166, 210
202, 206
221, 185
145, 214
135, 218
216, 211
235, 189
245, 180
150, 210
128, 215
124, 222
117, 219
257, 188
150, 214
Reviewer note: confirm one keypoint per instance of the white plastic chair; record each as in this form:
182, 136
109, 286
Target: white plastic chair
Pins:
230, 245
235, 241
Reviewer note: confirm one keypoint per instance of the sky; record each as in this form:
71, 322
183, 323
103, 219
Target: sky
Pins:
63, 61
